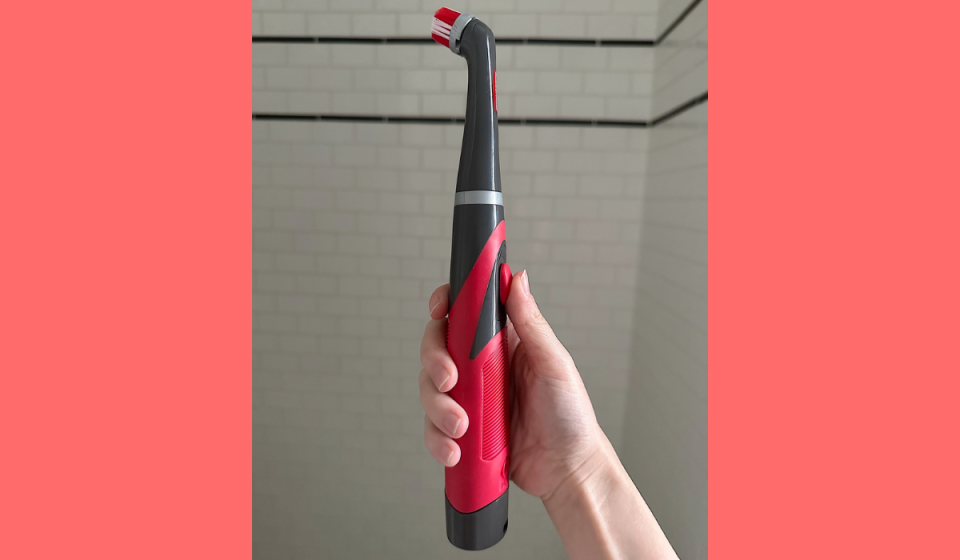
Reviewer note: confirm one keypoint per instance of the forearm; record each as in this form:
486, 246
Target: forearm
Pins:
599, 513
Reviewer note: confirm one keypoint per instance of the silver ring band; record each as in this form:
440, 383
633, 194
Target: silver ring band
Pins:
478, 197
456, 31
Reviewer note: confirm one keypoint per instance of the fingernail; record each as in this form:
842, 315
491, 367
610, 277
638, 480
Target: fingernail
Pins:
452, 426
450, 458
434, 306
442, 383
525, 283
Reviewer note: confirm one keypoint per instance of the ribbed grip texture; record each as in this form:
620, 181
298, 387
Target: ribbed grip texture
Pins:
494, 424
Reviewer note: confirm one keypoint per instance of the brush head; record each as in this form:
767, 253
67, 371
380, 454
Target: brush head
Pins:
442, 22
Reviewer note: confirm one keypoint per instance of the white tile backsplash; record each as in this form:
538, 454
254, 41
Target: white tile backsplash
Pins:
351, 234
666, 411
385, 79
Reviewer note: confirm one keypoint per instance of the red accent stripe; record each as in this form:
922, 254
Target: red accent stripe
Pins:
495, 92
465, 313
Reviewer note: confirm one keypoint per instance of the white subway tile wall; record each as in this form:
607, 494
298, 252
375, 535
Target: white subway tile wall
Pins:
351, 233
428, 80
665, 430
667, 13
681, 63
613, 19
352, 226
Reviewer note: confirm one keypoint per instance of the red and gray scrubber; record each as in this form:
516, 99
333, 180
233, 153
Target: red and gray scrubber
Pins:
477, 487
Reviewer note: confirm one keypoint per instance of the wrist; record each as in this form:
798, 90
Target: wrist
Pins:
599, 513
587, 508
599, 474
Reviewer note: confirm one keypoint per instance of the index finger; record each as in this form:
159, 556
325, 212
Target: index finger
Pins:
434, 356
439, 301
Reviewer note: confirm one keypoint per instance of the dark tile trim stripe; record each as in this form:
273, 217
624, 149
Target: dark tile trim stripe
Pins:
428, 40
683, 15
702, 98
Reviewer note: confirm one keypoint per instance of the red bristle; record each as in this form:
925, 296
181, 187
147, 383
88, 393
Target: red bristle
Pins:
445, 41
447, 16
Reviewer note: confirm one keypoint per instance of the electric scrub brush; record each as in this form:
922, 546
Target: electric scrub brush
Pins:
476, 488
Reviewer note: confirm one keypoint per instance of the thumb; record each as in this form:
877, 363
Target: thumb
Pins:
539, 340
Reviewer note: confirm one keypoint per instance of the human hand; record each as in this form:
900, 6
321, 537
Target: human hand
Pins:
554, 435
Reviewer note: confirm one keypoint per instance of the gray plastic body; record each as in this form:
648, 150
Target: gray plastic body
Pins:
477, 212
479, 154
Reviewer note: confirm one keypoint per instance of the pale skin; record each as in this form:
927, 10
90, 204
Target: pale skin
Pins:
558, 452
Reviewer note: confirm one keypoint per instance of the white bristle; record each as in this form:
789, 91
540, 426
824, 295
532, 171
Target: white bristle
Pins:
440, 28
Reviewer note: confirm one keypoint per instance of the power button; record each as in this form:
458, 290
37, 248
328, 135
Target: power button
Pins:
506, 279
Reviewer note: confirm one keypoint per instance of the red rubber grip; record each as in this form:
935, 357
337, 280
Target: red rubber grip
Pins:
482, 389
